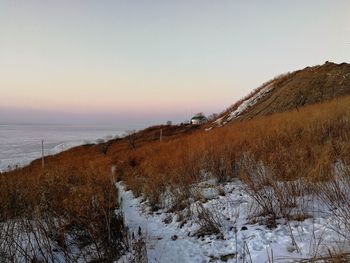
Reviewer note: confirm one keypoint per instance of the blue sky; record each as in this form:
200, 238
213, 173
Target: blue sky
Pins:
150, 61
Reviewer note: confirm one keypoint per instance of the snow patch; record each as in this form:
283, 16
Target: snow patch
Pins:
250, 102
172, 241
245, 104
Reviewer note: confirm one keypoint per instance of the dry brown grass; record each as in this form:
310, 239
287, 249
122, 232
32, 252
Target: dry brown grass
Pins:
65, 207
303, 144
292, 145
304, 87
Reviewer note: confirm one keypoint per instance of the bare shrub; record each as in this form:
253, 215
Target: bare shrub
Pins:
207, 220
139, 251
131, 137
220, 162
71, 217
335, 193
273, 198
177, 198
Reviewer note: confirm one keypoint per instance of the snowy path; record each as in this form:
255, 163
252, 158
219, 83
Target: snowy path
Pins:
256, 240
160, 246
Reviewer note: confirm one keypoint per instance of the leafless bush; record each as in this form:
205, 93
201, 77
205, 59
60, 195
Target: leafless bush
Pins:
220, 163
55, 239
207, 220
273, 198
336, 195
139, 251
177, 198
72, 218
131, 136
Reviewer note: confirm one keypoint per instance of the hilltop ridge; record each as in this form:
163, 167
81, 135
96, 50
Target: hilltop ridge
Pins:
291, 91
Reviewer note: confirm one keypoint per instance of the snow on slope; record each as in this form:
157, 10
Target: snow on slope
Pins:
250, 102
252, 242
245, 104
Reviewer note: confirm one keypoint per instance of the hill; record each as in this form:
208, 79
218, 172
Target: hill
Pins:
291, 91
274, 187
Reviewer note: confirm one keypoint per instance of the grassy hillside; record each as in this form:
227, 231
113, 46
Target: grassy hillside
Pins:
294, 90
279, 157
291, 145
300, 143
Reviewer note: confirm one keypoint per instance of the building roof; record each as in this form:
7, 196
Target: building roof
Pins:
198, 117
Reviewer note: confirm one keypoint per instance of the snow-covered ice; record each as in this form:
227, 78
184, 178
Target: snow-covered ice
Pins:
21, 143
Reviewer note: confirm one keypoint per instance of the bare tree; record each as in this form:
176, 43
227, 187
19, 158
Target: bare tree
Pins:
131, 136
212, 116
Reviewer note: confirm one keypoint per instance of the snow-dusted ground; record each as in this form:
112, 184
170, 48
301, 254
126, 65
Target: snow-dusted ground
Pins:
160, 246
250, 102
252, 242
245, 104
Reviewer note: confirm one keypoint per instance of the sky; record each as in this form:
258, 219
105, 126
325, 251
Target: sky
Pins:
142, 62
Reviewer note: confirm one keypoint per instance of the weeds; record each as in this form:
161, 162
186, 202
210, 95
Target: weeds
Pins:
335, 193
297, 148
69, 217
208, 222
281, 158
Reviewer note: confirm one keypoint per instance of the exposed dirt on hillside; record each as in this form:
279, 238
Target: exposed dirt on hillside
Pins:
291, 91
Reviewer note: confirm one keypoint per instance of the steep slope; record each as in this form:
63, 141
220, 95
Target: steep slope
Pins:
290, 91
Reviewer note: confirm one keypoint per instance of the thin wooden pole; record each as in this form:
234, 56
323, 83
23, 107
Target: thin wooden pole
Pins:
42, 154
161, 135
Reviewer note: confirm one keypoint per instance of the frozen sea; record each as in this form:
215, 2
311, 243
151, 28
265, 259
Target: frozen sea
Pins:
21, 143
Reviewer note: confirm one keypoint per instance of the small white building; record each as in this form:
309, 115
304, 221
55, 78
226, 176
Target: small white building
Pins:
198, 119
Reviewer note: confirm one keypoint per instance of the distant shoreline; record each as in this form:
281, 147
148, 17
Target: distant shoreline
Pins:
21, 143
